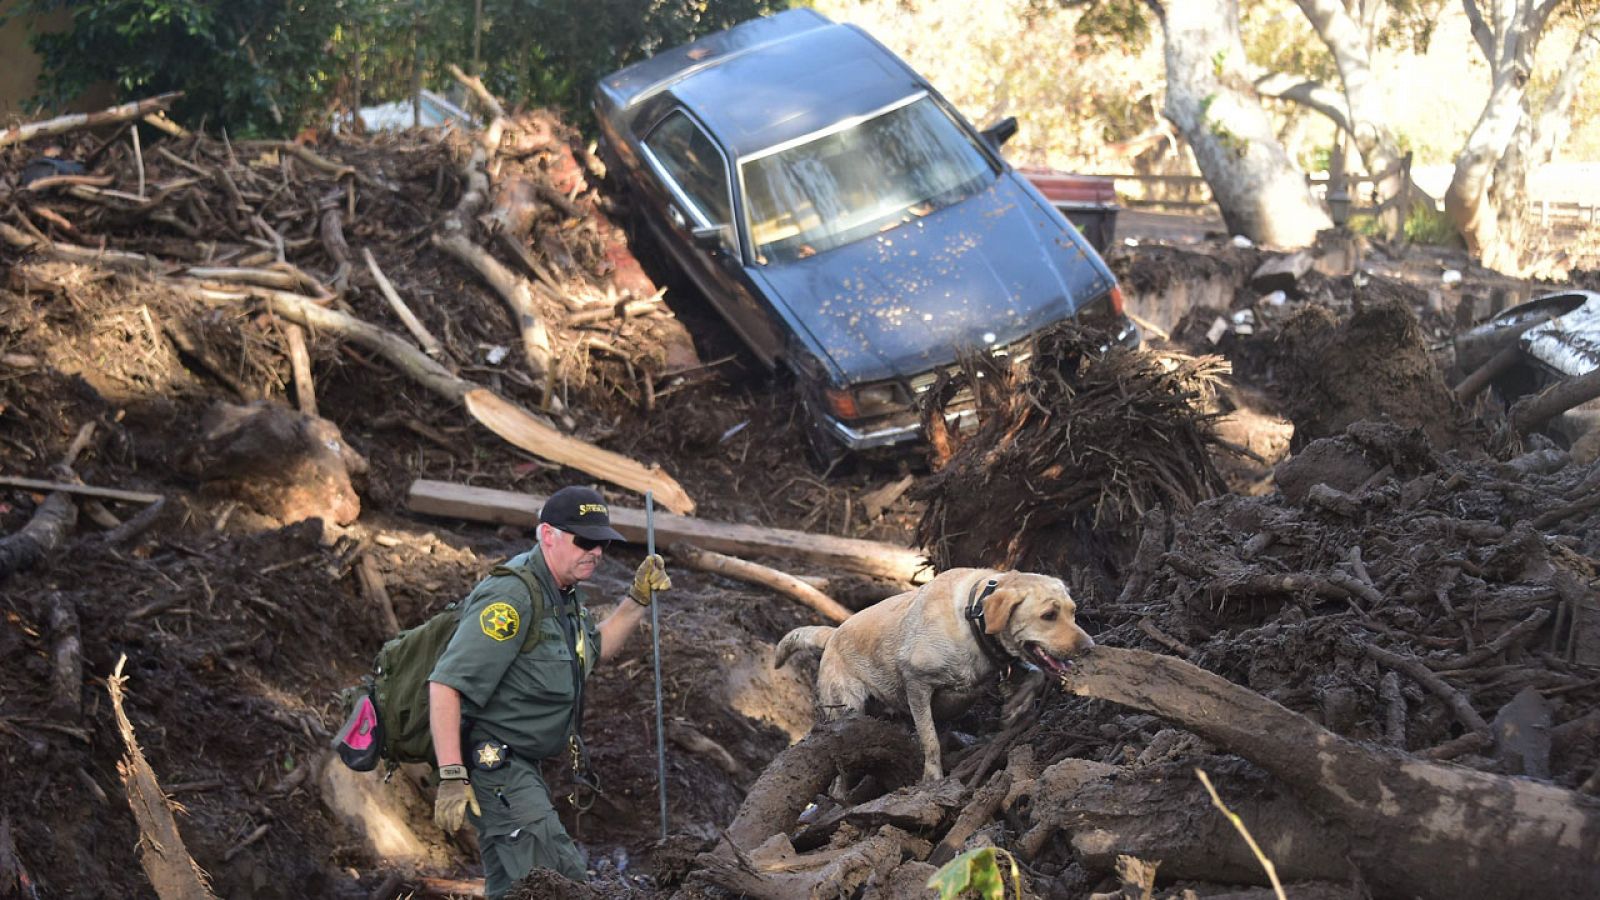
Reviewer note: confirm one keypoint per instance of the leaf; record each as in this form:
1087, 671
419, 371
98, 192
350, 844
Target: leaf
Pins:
977, 870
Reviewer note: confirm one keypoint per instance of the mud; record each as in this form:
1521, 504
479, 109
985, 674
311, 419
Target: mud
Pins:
239, 627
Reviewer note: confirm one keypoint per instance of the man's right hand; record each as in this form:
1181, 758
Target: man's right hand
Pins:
454, 799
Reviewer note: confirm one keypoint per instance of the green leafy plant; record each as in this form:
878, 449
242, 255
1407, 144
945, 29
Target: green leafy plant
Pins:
1427, 225
978, 871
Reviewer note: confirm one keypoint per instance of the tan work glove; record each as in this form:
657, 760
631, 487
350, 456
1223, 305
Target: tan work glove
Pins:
651, 578
454, 799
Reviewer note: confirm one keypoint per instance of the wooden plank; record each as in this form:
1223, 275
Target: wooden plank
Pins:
35, 484
875, 558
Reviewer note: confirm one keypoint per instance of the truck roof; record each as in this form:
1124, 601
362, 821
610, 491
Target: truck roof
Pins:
770, 80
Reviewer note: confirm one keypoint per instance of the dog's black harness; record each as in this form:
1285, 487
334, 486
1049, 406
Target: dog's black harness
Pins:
980, 633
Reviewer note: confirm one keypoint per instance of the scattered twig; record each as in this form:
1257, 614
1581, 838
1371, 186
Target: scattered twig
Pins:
1238, 824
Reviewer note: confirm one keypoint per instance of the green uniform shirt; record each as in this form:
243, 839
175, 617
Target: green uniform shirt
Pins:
521, 697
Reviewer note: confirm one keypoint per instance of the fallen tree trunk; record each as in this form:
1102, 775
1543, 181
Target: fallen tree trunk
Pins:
518, 295
63, 124
1530, 413
755, 573
1162, 812
873, 558
509, 421
1416, 828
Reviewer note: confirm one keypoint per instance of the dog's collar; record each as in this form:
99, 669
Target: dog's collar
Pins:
986, 642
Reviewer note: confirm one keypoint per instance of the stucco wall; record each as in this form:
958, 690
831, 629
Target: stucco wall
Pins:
19, 69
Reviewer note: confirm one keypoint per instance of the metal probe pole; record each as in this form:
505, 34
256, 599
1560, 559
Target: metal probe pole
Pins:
655, 647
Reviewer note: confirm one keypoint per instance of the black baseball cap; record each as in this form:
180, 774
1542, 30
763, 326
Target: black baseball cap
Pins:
580, 511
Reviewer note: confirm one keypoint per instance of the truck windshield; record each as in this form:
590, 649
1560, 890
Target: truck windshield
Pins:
846, 184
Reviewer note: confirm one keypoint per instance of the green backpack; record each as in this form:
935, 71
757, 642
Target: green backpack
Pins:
388, 716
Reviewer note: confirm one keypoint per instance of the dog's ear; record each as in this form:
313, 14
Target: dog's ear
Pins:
998, 607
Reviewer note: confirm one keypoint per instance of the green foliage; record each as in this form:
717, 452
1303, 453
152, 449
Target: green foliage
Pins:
255, 65
977, 871
1427, 225
1278, 38
274, 66
1119, 24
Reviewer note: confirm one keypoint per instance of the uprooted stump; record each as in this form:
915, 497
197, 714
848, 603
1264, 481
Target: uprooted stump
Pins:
1415, 828
1071, 449
288, 465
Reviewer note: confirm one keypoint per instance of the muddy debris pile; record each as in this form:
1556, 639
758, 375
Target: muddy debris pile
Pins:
222, 362
1391, 608
1070, 449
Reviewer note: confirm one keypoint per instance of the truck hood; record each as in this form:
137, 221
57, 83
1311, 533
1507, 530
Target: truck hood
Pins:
988, 270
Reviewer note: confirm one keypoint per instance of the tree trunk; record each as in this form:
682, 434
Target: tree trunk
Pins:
1417, 829
1350, 44
1261, 193
1487, 192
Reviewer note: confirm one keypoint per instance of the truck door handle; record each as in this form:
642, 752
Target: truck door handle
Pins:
676, 215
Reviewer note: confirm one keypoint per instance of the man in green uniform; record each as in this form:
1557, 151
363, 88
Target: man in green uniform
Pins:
499, 703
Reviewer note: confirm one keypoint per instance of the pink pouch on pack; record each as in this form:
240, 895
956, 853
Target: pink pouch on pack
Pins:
360, 740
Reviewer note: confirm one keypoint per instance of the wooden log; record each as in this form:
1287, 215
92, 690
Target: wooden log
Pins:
1530, 413
1459, 705
499, 507
338, 249
77, 121
67, 487
171, 870
984, 804
1472, 385
430, 344
517, 294
755, 573
66, 658
377, 593
87, 256
43, 534
135, 526
1415, 828
305, 390
516, 425
805, 769
1162, 811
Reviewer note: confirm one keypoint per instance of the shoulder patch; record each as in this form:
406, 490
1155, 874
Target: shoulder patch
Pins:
500, 621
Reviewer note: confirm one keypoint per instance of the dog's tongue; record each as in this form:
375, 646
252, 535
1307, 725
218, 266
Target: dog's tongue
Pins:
1050, 663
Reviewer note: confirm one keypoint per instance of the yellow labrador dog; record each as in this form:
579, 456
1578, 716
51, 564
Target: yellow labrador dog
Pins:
931, 651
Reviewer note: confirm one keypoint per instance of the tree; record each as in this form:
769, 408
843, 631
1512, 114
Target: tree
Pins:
1487, 197
253, 65
1349, 33
274, 66
1487, 194
1262, 194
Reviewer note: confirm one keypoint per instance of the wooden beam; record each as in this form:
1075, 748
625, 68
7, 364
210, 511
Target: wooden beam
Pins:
35, 484
874, 558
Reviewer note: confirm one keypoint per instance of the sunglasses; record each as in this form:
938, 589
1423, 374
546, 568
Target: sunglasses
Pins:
587, 544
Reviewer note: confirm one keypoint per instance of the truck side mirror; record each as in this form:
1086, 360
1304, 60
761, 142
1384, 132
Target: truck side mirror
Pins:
713, 237
1000, 132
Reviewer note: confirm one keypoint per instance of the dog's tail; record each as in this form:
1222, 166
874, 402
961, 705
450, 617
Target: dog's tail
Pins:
811, 638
